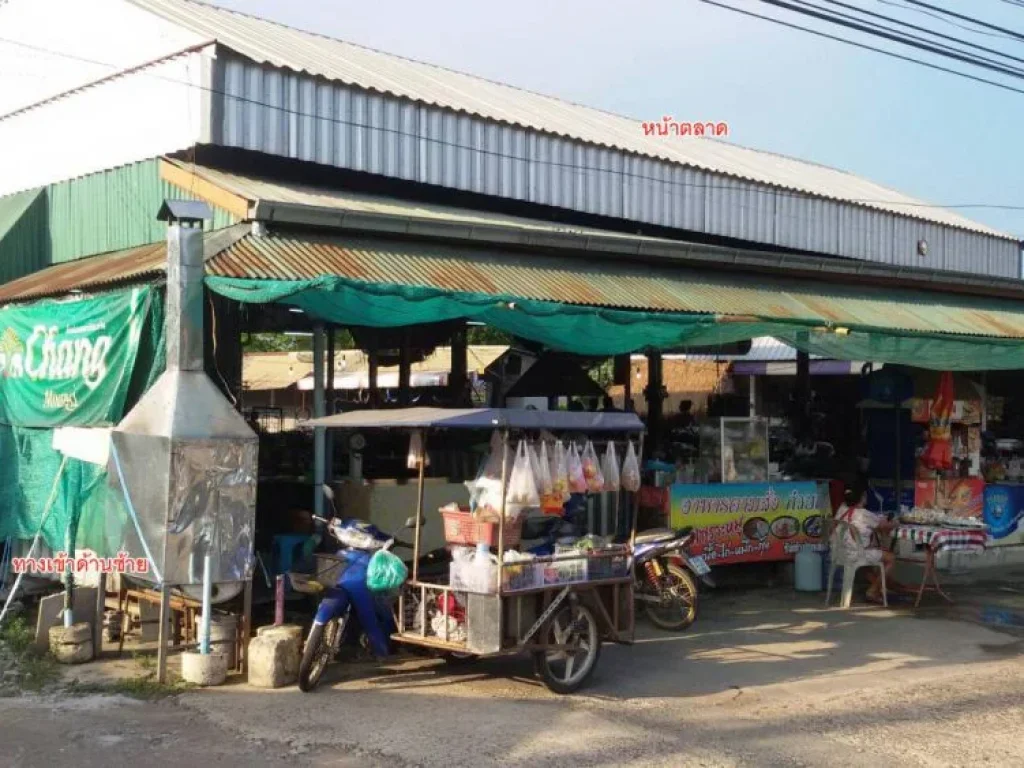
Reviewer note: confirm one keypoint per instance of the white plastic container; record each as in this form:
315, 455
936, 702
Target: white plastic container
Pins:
807, 570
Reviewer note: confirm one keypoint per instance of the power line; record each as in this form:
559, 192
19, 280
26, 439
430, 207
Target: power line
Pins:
1011, 33
517, 158
911, 41
944, 20
865, 46
919, 28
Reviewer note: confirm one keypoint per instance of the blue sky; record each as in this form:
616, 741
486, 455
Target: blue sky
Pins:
932, 135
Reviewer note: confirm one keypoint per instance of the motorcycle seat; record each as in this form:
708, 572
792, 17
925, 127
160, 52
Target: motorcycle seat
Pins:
654, 535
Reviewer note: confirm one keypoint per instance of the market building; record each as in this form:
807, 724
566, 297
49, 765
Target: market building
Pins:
348, 188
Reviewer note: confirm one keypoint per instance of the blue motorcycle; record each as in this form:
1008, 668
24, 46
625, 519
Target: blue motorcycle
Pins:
348, 611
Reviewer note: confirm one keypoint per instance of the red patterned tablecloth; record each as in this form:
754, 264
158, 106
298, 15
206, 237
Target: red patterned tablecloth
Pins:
937, 538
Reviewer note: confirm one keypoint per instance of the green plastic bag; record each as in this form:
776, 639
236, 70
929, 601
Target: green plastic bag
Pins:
386, 572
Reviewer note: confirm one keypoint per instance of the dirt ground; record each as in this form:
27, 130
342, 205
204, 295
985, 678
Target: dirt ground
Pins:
764, 678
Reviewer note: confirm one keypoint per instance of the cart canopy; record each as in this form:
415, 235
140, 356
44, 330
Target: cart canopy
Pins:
481, 418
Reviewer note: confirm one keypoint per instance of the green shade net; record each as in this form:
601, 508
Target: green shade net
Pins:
571, 328
604, 332
29, 467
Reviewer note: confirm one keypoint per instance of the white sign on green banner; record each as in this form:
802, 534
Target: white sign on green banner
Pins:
70, 362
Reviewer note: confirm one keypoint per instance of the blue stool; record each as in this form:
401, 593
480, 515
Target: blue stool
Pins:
286, 550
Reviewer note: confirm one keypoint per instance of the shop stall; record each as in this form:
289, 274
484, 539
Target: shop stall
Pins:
558, 600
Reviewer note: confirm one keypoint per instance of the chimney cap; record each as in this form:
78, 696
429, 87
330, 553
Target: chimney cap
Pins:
184, 211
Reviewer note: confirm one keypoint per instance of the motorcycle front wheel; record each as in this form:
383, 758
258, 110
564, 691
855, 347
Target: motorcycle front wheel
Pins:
317, 654
676, 608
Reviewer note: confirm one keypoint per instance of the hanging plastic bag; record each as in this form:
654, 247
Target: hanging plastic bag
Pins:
592, 469
610, 468
574, 466
386, 572
560, 472
551, 501
522, 487
485, 490
630, 476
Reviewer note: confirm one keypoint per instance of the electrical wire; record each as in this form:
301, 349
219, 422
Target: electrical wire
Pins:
911, 41
944, 19
946, 12
865, 46
575, 167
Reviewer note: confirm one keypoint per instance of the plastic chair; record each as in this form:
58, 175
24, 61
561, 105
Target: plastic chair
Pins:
841, 558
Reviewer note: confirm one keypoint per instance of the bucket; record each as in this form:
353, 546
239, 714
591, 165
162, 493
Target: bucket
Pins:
807, 570
223, 635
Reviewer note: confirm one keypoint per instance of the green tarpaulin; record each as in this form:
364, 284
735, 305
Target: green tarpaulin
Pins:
601, 331
107, 385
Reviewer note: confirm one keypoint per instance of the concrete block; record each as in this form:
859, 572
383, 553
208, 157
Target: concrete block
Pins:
204, 670
71, 645
51, 609
274, 656
149, 616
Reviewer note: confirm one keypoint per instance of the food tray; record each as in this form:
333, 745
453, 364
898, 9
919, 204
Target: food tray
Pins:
519, 576
607, 565
463, 528
565, 571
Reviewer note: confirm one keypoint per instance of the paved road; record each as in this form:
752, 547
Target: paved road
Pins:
762, 680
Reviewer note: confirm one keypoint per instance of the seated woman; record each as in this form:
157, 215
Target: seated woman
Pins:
860, 541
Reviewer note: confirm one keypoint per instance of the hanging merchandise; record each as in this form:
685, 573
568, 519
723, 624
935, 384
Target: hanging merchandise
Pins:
610, 468
551, 502
485, 491
522, 487
577, 480
592, 469
560, 472
938, 455
630, 477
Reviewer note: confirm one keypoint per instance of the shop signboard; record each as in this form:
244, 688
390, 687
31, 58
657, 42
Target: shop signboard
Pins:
750, 522
70, 362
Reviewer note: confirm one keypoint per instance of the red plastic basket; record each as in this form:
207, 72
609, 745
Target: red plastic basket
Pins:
463, 528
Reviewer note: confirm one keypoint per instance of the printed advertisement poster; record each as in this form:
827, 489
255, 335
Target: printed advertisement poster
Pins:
964, 496
1004, 508
745, 522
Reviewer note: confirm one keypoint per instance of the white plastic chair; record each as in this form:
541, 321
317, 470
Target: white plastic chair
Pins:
841, 558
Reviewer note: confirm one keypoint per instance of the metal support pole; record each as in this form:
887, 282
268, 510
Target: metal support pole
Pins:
655, 400
419, 508
318, 411
279, 600
161, 651
802, 396
753, 396
373, 364
329, 435
69, 573
404, 371
204, 630
101, 609
246, 626
460, 370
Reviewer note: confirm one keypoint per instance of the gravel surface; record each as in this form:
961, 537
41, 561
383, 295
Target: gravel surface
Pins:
760, 680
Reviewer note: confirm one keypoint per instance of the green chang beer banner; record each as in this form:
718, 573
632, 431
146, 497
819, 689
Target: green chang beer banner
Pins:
66, 363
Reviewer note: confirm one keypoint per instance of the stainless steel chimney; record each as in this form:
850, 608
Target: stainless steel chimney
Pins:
185, 458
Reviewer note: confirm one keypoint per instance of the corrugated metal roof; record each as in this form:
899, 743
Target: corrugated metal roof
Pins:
613, 284
107, 269
763, 349
277, 45
265, 193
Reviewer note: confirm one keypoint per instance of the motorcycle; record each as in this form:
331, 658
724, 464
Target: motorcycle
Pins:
664, 571
348, 611
664, 577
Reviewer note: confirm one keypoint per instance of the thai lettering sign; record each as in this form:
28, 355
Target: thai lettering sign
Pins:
70, 362
744, 522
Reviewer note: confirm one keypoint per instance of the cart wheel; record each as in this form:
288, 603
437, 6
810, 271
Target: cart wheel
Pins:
677, 608
565, 671
319, 648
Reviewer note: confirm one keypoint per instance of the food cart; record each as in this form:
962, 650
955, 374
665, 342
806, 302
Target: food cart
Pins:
558, 607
